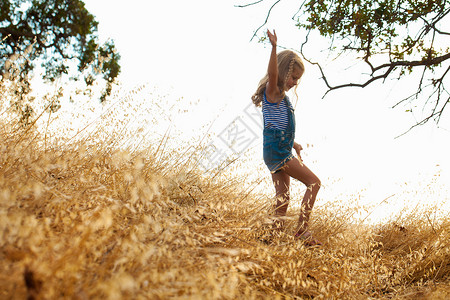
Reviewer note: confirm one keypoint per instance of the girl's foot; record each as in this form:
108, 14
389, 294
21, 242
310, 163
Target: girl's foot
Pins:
307, 239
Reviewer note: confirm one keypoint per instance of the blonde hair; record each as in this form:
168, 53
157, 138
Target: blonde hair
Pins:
286, 59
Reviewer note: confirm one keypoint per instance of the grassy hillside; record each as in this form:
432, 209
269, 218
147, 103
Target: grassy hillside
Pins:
86, 220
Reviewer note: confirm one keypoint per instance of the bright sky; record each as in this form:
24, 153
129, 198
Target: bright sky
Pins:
201, 50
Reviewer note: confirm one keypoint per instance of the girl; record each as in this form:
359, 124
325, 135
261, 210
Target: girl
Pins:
284, 72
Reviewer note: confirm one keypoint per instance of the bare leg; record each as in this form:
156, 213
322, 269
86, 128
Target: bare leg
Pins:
300, 171
281, 182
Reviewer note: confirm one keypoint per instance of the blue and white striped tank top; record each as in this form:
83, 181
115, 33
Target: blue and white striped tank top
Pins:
275, 115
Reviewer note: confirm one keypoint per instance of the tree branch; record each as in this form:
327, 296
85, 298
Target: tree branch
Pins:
16, 33
299, 9
267, 18
390, 67
250, 4
398, 56
435, 115
415, 63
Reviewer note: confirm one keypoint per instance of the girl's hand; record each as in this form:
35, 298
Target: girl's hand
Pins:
272, 37
298, 148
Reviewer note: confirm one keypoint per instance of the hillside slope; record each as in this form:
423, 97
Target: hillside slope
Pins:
88, 221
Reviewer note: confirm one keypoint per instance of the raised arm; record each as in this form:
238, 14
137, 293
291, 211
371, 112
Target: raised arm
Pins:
272, 90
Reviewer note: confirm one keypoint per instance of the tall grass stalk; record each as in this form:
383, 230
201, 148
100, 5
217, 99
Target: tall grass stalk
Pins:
93, 218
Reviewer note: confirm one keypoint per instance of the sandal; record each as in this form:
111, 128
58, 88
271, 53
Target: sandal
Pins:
307, 239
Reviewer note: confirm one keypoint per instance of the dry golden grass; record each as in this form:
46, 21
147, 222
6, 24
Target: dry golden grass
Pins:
89, 220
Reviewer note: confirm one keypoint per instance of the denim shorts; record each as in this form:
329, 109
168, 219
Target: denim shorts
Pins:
278, 143
277, 148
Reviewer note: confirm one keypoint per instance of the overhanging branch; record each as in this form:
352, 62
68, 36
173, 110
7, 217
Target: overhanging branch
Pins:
249, 4
267, 18
405, 63
431, 60
389, 66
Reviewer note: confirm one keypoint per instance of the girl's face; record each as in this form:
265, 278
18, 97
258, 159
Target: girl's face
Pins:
292, 80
